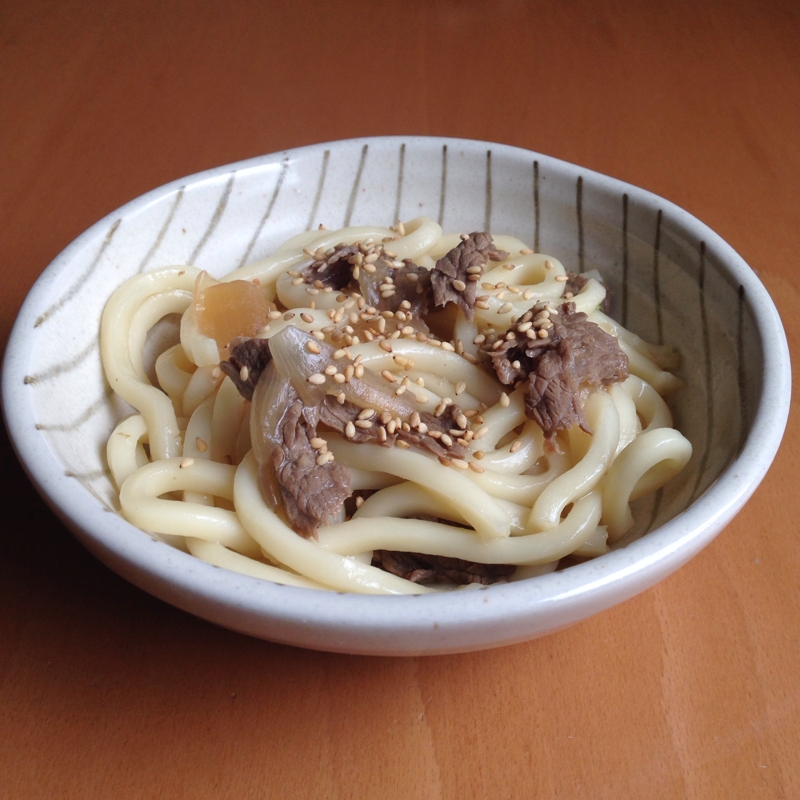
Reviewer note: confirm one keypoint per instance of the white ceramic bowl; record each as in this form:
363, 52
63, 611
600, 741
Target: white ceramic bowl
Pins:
673, 279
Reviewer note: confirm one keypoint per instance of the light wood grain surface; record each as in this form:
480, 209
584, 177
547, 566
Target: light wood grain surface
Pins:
690, 690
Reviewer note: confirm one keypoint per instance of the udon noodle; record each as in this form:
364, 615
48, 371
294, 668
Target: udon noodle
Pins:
187, 462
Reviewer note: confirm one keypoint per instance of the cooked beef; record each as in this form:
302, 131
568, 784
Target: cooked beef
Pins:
337, 415
456, 275
248, 359
335, 270
575, 283
575, 354
385, 286
422, 568
311, 493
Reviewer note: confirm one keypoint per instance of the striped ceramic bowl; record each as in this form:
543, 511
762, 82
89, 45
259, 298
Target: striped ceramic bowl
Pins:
673, 280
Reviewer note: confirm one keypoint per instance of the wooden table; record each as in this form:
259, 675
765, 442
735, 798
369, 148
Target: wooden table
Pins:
691, 689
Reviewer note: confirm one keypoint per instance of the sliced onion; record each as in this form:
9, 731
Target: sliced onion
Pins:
295, 363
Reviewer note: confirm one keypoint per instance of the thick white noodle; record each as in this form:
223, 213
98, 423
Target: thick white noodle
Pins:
644, 466
302, 555
477, 507
522, 504
118, 363
420, 536
141, 502
601, 414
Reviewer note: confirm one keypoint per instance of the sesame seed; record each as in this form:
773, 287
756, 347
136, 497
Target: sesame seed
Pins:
318, 443
462, 422
366, 413
289, 315
561, 278
543, 334
445, 462
388, 376
384, 345
508, 266
324, 458
475, 467
421, 399
200, 445
447, 439
349, 430
359, 502
349, 371
569, 296
382, 434
459, 286
526, 251
505, 308
306, 317
515, 446
401, 443
460, 386
312, 347
187, 462
399, 390
340, 398
244, 373
505, 400
339, 378
297, 281
447, 346
548, 264
481, 432
481, 304
318, 335
459, 463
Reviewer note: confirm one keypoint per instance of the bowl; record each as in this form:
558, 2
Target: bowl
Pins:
673, 280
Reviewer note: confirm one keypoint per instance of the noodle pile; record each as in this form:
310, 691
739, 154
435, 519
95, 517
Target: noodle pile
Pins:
187, 464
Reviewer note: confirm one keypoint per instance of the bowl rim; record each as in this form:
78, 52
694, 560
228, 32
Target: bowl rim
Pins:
593, 585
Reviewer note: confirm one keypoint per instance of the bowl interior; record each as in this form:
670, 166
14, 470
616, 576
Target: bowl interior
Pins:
667, 284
